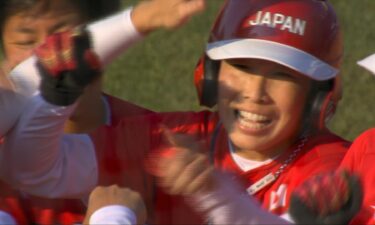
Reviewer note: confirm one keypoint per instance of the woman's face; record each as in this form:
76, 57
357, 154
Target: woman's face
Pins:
261, 105
24, 31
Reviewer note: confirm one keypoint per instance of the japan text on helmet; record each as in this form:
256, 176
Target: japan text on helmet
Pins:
303, 35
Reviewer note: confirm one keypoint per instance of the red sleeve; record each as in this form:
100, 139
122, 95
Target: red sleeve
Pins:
121, 109
324, 155
360, 159
11, 204
124, 147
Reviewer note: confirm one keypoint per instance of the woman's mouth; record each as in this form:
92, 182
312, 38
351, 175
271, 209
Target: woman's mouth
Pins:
252, 121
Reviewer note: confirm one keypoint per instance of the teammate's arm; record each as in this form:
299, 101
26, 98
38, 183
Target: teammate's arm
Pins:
115, 205
40, 159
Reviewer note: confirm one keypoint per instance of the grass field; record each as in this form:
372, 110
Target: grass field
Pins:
158, 72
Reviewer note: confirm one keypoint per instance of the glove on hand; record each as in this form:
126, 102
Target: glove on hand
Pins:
332, 198
67, 64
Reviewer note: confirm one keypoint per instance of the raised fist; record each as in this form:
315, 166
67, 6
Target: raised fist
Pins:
182, 168
150, 15
114, 195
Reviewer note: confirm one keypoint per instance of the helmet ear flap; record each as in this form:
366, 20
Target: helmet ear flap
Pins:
324, 97
327, 110
206, 81
321, 111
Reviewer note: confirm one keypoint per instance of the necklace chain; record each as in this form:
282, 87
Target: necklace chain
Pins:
272, 177
292, 156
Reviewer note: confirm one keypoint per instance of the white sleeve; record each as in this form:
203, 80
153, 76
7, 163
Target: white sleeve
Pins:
6, 219
25, 82
39, 159
229, 205
368, 63
113, 35
11, 104
113, 215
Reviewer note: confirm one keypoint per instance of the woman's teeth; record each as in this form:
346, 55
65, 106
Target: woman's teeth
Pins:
252, 120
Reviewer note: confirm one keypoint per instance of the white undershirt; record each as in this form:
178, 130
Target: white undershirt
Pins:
247, 164
113, 215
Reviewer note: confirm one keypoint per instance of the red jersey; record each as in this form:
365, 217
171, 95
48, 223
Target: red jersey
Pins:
10, 203
124, 147
360, 159
33, 210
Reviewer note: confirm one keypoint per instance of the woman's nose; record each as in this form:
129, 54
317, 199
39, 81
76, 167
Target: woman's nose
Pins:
254, 89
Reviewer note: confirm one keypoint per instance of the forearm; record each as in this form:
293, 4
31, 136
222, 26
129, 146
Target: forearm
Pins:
227, 204
12, 101
11, 105
39, 159
113, 36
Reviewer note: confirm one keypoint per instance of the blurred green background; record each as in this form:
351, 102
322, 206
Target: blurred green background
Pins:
158, 72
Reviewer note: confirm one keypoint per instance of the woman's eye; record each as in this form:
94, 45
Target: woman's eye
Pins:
283, 75
240, 66
244, 67
25, 44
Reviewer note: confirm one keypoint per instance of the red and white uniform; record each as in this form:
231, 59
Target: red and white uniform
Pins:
123, 149
359, 160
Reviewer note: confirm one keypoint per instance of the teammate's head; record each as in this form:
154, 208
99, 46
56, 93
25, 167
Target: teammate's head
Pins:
26, 23
271, 67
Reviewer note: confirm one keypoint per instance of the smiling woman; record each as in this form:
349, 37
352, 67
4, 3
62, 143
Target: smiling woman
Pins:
261, 105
